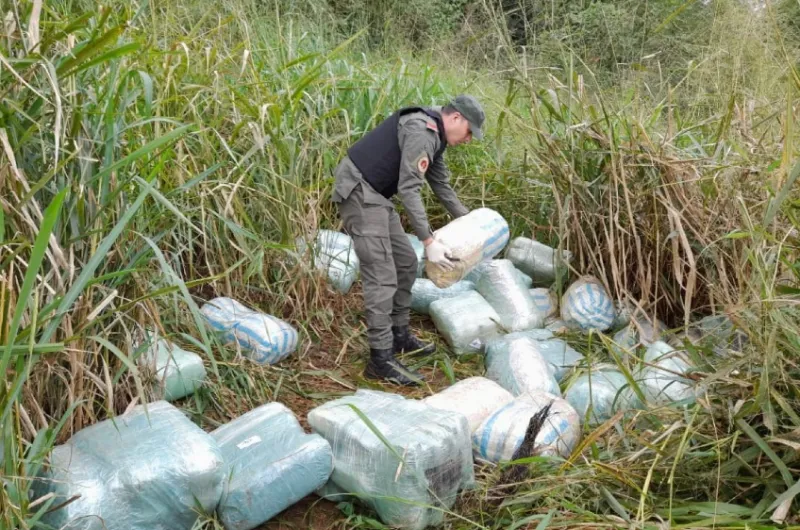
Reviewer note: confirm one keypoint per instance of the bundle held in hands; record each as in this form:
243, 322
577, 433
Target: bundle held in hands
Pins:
477, 236
426, 459
466, 321
267, 339
145, 470
271, 464
501, 286
474, 397
502, 433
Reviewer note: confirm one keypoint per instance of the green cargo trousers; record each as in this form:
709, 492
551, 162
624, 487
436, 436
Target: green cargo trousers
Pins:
388, 264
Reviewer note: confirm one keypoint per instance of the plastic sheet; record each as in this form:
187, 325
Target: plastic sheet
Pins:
425, 461
177, 373
663, 382
140, 471
537, 260
502, 433
508, 295
267, 339
518, 366
419, 250
587, 306
466, 322
424, 292
334, 253
475, 237
475, 397
545, 301
271, 464
601, 389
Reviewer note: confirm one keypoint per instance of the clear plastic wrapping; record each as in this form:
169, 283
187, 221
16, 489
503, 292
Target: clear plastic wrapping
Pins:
466, 321
603, 389
267, 339
537, 260
334, 253
663, 379
480, 235
518, 366
507, 294
271, 464
177, 373
419, 250
408, 474
502, 433
140, 471
424, 292
475, 397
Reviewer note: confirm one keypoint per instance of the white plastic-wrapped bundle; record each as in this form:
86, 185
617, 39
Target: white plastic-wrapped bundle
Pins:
477, 236
502, 433
545, 301
419, 250
556, 352
424, 292
466, 321
334, 253
538, 261
177, 372
587, 306
664, 381
518, 366
268, 339
145, 470
428, 458
271, 464
474, 397
601, 388
641, 331
506, 293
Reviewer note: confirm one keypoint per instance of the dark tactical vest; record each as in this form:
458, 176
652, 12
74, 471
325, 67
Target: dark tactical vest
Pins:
377, 154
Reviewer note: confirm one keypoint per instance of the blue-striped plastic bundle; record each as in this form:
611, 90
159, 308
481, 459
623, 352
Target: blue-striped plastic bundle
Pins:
545, 301
502, 433
267, 339
478, 236
587, 306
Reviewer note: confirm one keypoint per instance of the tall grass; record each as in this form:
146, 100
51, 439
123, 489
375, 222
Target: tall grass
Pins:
158, 154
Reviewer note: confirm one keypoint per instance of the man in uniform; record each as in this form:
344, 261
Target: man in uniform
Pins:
396, 158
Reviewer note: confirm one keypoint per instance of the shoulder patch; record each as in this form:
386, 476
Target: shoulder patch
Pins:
432, 126
422, 164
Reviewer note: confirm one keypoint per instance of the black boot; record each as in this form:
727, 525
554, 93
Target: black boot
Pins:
406, 342
383, 365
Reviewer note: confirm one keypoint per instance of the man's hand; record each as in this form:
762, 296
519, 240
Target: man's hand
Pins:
439, 254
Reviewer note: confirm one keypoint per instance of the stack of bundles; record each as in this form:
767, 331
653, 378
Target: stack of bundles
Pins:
150, 468
333, 253
177, 373
663, 380
424, 292
466, 321
509, 297
270, 465
556, 352
500, 435
475, 397
602, 390
545, 301
267, 339
587, 306
542, 263
518, 366
480, 235
419, 250
411, 475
